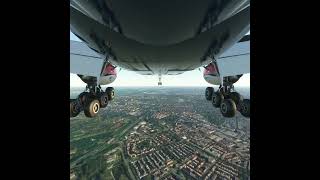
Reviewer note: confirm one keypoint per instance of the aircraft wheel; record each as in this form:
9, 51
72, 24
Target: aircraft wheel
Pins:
103, 98
236, 97
83, 97
74, 111
228, 108
245, 107
92, 107
110, 92
208, 93
217, 98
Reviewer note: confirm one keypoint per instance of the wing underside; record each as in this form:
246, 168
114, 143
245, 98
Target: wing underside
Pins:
80, 51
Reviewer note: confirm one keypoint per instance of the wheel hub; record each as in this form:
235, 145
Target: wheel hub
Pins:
96, 108
214, 99
244, 109
74, 108
105, 99
224, 108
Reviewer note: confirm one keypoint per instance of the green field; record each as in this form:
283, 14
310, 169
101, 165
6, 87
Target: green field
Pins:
91, 139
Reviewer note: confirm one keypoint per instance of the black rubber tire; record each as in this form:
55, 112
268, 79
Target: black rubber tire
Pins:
236, 97
110, 92
245, 108
228, 108
208, 93
83, 97
91, 108
217, 98
103, 99
73, 110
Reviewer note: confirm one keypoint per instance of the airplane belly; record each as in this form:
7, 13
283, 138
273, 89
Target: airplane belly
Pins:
159, 23
180, 57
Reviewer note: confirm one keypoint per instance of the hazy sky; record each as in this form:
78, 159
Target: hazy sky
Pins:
129, 78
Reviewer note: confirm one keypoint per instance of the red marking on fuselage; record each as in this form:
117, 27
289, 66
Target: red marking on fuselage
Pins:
109, 70
210, 69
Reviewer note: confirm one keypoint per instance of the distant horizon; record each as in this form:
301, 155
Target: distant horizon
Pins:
129, 78
105, 86
214, 86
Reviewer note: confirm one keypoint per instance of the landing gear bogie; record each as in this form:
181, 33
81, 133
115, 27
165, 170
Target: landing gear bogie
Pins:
228, 100
91, 102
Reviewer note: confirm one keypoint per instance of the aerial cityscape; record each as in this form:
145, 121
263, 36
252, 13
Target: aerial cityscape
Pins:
167, 133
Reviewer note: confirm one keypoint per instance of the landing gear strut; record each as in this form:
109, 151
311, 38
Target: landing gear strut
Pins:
159, 82
91, 100
228, 100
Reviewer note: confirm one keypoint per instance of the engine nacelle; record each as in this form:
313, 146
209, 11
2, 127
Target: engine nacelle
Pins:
212, 76
108, 75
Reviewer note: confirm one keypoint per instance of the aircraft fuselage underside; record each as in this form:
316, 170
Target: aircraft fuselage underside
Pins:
160, 38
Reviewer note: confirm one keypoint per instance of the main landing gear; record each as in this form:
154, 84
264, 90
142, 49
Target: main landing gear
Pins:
228, 100
91, 101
